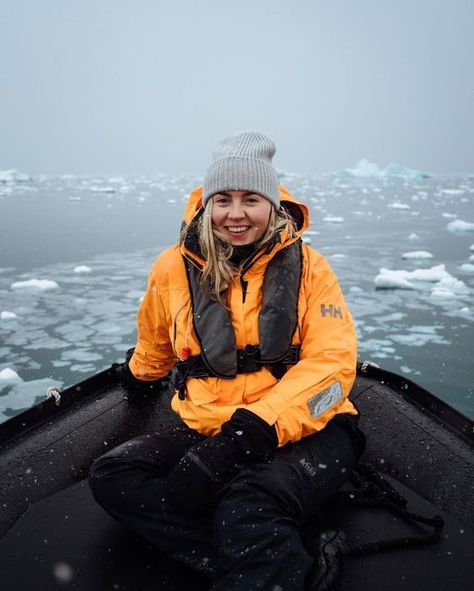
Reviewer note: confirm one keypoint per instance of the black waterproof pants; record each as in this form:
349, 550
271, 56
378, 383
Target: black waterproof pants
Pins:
250, 537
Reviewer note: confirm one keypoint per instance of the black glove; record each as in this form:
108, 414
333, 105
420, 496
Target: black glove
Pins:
206, 467
138, 391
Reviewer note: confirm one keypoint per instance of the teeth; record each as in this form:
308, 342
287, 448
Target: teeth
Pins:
237, 228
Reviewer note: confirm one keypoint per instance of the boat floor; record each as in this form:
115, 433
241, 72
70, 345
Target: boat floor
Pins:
68, 542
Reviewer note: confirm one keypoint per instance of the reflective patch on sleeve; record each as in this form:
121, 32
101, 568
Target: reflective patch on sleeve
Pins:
321, 402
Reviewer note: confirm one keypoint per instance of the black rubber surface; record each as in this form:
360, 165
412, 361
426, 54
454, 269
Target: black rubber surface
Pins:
68, 542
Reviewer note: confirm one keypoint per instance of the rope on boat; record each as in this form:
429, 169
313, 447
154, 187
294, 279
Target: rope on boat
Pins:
54, 392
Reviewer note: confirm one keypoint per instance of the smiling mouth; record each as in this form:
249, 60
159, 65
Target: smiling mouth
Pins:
237, 229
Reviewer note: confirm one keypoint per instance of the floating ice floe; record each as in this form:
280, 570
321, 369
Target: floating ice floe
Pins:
5, 315
8, 376
452, 191
471, 247
82, 269
102, 189
333, 219
413, 236
25, 394
449, 215
417, 254
467, 267
13, 176
460, 226
444, 283
41, 284
398, 205
471, 258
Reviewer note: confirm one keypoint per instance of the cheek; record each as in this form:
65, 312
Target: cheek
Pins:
216, 217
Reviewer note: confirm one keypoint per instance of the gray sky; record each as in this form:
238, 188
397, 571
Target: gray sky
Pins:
142, 86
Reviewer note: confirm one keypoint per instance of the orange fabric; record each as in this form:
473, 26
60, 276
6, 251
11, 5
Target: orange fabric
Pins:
299, 404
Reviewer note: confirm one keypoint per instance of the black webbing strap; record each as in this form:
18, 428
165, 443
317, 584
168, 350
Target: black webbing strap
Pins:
248, 360
374, 492
377, 493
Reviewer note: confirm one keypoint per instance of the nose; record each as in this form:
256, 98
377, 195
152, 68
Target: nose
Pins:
236, 210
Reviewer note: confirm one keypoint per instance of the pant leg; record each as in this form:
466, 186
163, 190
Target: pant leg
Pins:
130, 484
258, 522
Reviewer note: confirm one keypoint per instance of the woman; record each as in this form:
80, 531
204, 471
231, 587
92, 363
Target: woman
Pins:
253, 327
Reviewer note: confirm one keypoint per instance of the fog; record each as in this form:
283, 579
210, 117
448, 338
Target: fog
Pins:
115, 86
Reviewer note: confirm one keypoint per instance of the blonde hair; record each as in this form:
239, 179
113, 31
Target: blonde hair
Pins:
216, 250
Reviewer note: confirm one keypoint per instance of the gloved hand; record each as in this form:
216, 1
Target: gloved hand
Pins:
206, 467
138, 391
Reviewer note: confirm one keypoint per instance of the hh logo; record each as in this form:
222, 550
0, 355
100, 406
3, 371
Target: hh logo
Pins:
333, 311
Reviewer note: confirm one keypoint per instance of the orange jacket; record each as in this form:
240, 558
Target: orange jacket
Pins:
306, 397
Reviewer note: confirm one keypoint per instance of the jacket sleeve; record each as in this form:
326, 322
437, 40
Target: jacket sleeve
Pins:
314, 390
153, 357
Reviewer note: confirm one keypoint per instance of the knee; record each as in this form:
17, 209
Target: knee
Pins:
112, 475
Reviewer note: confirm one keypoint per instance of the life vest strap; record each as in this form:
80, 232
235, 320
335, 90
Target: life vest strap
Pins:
248, 360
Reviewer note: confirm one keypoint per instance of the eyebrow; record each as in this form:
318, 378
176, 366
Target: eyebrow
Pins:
226, 194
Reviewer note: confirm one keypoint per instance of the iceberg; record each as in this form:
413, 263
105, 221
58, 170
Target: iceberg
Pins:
365, 168
404, 172
13, 176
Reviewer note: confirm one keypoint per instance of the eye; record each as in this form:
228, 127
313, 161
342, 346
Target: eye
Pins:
221, 199
252, 199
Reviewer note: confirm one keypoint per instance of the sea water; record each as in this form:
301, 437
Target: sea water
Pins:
75, 253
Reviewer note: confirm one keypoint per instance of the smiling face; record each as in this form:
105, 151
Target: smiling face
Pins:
242, 217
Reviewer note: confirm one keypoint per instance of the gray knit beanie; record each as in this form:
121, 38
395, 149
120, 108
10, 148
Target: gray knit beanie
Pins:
243, 162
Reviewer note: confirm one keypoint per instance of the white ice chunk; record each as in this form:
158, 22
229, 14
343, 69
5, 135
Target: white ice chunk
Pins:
471, 258
467, 267
413, 236
333, 219
388, 279
102, 189
417, 254
393, 279
449, 215
460, 226
5, 315
452, 191
41, 284
82, 269
471, 247
398, 205
8, 376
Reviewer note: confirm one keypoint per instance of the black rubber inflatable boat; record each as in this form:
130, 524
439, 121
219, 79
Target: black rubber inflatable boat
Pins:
54, 536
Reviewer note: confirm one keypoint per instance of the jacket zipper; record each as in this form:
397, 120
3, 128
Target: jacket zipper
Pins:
244, 285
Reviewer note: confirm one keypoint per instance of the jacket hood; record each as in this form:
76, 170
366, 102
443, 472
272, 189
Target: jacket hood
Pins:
297, 210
